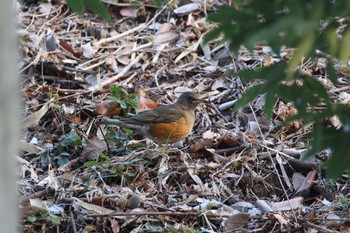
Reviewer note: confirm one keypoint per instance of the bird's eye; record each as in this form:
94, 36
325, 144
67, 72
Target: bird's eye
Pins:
190, 98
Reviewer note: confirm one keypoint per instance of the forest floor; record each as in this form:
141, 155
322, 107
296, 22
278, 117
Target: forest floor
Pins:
236, 172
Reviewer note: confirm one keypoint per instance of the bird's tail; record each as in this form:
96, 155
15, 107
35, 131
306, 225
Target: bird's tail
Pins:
120, 123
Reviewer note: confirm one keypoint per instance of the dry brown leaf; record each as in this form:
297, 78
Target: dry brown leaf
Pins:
208, 134
227, 140
36, 116
282, 221
179, 90
237, 223
285, 111
290, 204
115, 226
128, 12
50, 181
263, 206
92, 149
201, 144
93, 208
69, 48
297, 180
188, 8
108, 108
190, 49
165, 27
75, 119
88, 50
146, 104
30, 147
166, 37
308, 182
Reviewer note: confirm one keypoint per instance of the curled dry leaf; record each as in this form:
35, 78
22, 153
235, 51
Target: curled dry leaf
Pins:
30, 147
219, 83
164, 37
108, 108
290, 204
128, 12
165, 27
146, 104
333, 220
69, 48
179, 90
237, 223
50, 43
263, 206
36, 116
307, 183
45, 7
115, 226
335, 122
208, 135
89, 50
129, 199
284, 112
227, 140
92, 150
188, 8
201, 144
227, 105
282, 221
93, 208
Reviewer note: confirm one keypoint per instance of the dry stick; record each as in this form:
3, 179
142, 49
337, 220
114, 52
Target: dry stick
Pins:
121, 74
340, 89
72, 221
81, 66
161, 214
116, 37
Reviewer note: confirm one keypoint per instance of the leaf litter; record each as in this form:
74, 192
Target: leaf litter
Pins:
237, 171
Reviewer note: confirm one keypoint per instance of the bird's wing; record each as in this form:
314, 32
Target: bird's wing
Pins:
163, 114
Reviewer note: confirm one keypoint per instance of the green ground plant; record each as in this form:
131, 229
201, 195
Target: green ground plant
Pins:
310, 27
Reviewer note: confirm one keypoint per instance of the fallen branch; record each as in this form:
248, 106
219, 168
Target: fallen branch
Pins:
161, 214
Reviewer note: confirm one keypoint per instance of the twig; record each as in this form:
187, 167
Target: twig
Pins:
318, 227
113, 38
230, 150
72, 221
210, 215
121, 74
37, 194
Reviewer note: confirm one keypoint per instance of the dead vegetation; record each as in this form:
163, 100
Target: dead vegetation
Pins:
237, 171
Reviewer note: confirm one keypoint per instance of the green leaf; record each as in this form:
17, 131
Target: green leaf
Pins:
104, 157
71, 138
31, 218
338, 142
55, 220
92, 163
77, 6
99, 8
270, 101
249, 96
62, 160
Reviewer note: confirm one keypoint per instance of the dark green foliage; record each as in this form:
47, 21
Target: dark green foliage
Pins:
126, 101
94, 5
307, 26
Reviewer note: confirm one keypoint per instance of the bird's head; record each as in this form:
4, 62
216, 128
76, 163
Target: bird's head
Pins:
189, 100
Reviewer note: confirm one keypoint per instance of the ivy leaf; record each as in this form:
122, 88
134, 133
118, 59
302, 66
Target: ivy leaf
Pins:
77, 6
99, 8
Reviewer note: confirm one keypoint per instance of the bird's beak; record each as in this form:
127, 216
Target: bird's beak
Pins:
198, 101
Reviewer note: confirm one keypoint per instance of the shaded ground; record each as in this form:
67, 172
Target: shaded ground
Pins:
237, 171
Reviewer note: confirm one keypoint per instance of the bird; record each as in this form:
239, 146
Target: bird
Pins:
166, 124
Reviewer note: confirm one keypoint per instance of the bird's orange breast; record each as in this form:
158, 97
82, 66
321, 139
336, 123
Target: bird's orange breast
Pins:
171, 132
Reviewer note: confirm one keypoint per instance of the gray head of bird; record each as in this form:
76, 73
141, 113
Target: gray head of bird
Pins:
189, 100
